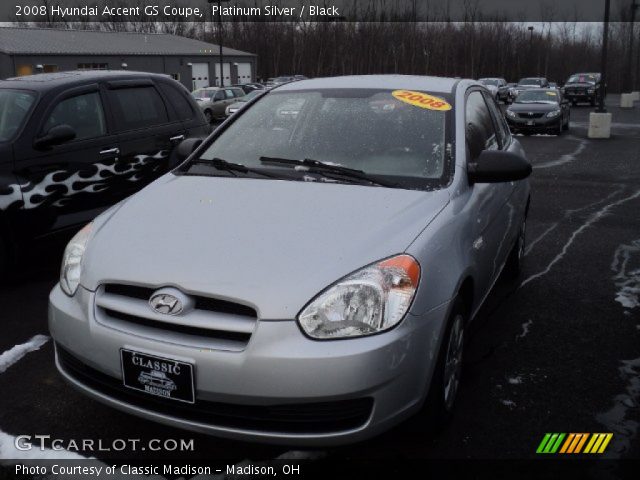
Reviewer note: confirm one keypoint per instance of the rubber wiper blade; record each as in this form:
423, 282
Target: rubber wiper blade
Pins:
221, 164
316, 166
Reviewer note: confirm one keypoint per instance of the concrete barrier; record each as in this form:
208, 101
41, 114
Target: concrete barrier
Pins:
599, 125
636, 96
626, 100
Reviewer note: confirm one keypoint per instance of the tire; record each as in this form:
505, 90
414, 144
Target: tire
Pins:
208, 116
445, 383
593, 102
559, 129
513, 267
565, 127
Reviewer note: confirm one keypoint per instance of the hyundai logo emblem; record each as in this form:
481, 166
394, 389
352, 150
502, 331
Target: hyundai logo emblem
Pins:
166, 304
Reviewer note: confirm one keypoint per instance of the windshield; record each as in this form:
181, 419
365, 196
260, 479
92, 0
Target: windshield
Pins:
537, 96
530, 81
582, 78
489, 81
14, 107
203, 93
366, 130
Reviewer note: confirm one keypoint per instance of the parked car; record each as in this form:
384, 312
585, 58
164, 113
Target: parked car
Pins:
528, 83
497, 86
274, 82
242, 101
74, 143
583, 87
218, 99
347, 249
539, 110
249, 87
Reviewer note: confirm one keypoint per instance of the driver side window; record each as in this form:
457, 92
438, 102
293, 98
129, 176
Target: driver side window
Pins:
83, 113
480, 131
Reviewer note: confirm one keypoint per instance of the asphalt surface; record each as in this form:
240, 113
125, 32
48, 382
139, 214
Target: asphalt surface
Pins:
555, 352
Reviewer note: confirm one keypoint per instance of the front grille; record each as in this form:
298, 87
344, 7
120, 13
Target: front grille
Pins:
322, 417
530, 115
212, 323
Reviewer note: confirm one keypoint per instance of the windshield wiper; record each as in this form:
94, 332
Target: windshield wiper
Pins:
221, 164
316, 166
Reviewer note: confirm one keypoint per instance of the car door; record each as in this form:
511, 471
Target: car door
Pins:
67, 184
491, 232
147, 132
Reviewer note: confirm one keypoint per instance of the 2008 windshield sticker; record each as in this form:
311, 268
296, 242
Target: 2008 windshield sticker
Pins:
422, 100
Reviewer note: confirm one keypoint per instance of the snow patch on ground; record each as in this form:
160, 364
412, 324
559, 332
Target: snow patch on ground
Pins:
626, 266
594, 218
525, 329
14, 354
616, 419
508, 403
566, 158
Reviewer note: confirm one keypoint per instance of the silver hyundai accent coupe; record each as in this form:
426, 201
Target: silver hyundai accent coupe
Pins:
307, 274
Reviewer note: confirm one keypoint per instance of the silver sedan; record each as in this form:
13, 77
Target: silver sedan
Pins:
308, 273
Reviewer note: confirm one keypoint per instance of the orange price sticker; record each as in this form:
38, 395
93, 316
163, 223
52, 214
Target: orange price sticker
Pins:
422, 100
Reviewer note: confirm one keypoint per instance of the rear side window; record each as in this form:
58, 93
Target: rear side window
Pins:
178, 100
228, 93
138, 107
481, 134
14, 108
83, 112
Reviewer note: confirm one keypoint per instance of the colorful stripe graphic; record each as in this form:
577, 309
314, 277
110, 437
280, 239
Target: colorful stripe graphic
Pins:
574, 443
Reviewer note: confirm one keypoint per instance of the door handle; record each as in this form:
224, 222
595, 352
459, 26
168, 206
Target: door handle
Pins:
177, 138
110, 151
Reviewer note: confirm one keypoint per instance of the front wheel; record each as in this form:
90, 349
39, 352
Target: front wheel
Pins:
208, 116
445, 383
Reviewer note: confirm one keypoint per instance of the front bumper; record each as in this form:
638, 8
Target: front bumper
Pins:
534, 124
580, 96
386, 374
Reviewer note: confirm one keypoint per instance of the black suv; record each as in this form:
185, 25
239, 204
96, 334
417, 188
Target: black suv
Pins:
583, 87
74, 143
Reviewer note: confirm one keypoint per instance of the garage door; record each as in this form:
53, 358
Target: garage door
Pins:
200, 75
244, 72
227, 73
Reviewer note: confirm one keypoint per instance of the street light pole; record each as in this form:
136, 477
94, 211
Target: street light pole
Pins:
630, 77
603, 62
220, 43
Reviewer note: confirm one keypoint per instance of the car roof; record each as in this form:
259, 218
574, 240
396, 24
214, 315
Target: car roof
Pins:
391, 82
46, 81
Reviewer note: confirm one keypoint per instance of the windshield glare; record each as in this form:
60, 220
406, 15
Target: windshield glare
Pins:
367, 130
530, 81
14, 107
489, 81
537, 96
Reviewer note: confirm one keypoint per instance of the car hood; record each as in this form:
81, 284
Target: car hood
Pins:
533, 107
269, 244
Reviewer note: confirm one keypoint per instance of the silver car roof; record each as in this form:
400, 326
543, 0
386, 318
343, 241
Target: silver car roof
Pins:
408, 82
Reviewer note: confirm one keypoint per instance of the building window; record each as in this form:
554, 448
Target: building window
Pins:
93, 66
49, 68
23, 70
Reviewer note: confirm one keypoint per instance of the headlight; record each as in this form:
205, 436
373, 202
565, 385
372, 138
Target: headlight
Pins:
72, 261
554, 113
511, 114
370, 300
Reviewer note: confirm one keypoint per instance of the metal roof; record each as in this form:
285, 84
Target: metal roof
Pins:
49, 41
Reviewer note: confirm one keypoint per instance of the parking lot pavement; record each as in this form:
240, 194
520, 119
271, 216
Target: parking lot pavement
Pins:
558, 352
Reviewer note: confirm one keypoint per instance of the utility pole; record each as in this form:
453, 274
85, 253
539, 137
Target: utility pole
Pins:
530, 28
603, 60
220, 56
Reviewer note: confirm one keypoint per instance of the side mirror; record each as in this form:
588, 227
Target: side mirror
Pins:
187, 147
495, 166
56, 136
